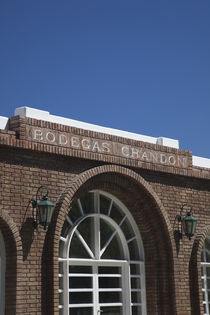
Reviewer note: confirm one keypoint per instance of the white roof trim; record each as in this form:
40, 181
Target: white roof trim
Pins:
3, 122
44, 115
200, 161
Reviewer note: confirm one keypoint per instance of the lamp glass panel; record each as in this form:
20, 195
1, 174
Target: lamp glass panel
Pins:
42, 214
45, 214
194, 227
49, 213
188, 227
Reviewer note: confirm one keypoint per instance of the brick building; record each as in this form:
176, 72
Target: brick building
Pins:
113, 244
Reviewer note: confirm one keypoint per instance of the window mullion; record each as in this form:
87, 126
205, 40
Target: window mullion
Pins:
97, 238
206, 289
204, 266
65, 287
126, 289
95, 290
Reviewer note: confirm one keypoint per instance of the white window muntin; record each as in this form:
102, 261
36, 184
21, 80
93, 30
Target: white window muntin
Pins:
125, 274
205, 270
127, 291
121, 206
95, 264
99, 252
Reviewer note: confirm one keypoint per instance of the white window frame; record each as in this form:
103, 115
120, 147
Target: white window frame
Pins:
205, 278
95, 262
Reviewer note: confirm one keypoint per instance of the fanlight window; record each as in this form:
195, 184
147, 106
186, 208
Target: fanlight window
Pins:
205, 271
101, 259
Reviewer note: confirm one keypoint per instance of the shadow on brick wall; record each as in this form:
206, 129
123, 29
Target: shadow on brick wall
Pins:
27, 235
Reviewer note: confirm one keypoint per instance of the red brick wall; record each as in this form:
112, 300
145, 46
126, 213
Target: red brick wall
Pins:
153, 194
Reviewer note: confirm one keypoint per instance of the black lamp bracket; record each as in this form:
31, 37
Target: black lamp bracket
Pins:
34, 203
180, 217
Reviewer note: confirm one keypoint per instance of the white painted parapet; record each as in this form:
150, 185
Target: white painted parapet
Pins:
200, 161
168, 142
3, 122
44, 115
32, 113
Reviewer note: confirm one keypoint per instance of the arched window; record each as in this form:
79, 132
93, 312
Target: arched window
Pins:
101, 264
205, 270
2, 274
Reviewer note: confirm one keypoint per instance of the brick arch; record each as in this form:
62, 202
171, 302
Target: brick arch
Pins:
195, 271
63, 203
13, 247
150, 216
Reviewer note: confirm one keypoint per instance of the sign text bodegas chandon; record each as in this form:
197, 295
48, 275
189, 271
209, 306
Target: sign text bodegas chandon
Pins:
106, 147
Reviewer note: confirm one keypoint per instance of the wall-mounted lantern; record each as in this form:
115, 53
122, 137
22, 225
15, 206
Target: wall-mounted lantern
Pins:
188, 223
42, 210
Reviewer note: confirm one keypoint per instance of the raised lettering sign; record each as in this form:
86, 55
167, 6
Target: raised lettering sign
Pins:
106, 147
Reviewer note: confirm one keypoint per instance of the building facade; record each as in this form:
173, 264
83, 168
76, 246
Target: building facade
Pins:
113, 245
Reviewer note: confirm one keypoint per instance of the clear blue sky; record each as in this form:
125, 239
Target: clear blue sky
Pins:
141, 66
